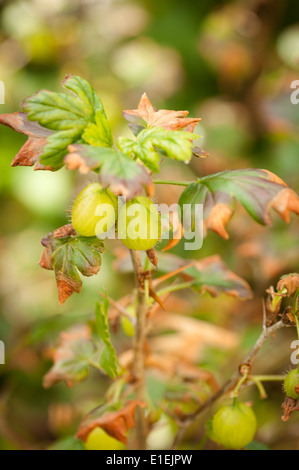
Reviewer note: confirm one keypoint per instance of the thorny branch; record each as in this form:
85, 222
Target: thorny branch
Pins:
140, 336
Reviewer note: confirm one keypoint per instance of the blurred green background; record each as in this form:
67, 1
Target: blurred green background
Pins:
229, 62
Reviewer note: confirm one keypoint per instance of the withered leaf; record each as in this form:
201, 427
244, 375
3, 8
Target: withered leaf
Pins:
115, 419
68, 256
152, 256
290, 282
200, 152
257, 190
289, 406
64, 231
71, 357
148, 116
37, 139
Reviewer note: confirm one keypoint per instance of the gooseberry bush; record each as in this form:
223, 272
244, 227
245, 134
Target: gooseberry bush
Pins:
71, 129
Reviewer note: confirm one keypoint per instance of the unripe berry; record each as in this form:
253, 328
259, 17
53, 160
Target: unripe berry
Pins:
139, 224
98, 439
94, 211
290, 383
126, 324
234, 426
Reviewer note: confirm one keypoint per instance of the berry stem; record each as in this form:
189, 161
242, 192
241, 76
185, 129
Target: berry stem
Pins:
173, 182
260, 387
268, 378
236, 390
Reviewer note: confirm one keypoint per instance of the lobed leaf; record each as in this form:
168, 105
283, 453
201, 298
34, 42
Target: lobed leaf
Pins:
212, 275
148, 116
257, 190
108, 359
115, 419
155, 142
32, 150
66, 114
68, 256
124, 176
71, 357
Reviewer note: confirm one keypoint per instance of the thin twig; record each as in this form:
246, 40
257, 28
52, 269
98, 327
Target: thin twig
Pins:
187, 420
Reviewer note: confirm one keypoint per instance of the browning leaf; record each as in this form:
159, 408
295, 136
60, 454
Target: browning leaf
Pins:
64, 231
290, 282
125, 176
37, 139
213, 276
152, 256
289, 406
148, 116
71, 357
257, 190
68, 256
114, 420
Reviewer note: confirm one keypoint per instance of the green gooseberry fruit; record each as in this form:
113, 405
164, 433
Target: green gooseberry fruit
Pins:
98, 439
234, 426
139, 224
94, 211
290, 383
126, 324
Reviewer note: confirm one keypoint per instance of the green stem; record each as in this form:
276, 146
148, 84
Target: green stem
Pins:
235, 393
175, 287
173, 182
268, 378
261, 388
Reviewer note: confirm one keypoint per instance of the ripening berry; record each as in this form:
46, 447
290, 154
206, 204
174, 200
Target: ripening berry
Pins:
234, 426
139, 224
94, 211
290, 383
98, 439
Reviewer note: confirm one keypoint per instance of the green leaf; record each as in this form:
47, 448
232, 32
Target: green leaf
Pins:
67, 443
152, 143
256, 190
67, 257
124, 175
67, 114
56, 148
85, 92
108, 359
98, 134
257, 446
149, 157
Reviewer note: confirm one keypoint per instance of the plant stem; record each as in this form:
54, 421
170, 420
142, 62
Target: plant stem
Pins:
140, 336
173, 182
230, 384
268, 378
175, 287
